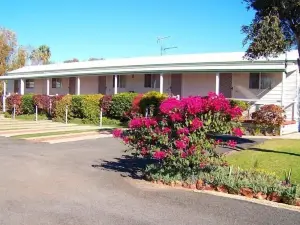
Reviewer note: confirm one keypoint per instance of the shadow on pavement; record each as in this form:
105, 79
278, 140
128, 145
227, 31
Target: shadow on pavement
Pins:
127, 165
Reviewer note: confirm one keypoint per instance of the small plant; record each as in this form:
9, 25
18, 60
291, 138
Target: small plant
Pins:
287, 177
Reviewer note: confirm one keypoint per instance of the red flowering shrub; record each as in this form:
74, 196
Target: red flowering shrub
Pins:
42, 102
135, 110
14, 100
269, 116
105, 104
179, 137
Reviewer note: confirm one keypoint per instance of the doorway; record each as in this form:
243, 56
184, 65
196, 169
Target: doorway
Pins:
226, 84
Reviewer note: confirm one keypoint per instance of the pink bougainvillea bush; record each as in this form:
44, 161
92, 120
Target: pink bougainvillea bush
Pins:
180, 136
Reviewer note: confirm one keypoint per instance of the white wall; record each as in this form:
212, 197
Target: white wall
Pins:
135, 82
89, 85
198, 84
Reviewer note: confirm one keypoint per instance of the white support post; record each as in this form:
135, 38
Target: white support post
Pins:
116, 84
77, 85
161, 83
36, 113
22, 87
48, 86
101, 117
282, 88
217, 83
4, 97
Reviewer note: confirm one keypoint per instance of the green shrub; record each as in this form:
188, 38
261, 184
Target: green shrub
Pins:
59, 108
121, 104
86, 107
90, 108
243, 105
152, 101
27, 104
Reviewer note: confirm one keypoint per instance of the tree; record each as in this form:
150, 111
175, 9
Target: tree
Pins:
275, 28
41, 55
71, 60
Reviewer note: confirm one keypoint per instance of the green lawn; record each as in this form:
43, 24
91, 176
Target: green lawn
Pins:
276, 156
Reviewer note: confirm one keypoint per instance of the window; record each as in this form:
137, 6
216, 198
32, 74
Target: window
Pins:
151, 81
29, 83
260, 81
56, 83
121, 81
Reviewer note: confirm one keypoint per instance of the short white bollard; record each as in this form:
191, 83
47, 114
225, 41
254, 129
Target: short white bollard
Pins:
14, 113
101, 118
36, 113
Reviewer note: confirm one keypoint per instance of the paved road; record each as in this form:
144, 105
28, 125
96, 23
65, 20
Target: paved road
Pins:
57, 184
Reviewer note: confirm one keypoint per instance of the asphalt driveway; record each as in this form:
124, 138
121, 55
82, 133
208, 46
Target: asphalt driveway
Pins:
88, 182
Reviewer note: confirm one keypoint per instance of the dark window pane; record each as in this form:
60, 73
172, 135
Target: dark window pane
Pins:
254, 81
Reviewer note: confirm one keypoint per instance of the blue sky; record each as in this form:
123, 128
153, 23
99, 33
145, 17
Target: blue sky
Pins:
126, 28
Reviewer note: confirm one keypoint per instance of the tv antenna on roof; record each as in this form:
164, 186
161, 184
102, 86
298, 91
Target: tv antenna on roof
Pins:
162, 48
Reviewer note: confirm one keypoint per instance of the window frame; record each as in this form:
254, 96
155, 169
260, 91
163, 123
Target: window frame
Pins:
29, 83
56, 81
121, 81
261, 76
154, 80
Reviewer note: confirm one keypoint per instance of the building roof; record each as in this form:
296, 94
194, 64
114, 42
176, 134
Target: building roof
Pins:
208, 62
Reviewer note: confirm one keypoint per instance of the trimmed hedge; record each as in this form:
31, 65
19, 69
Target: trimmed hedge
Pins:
27, 104
151, 100
59, 108
120, 104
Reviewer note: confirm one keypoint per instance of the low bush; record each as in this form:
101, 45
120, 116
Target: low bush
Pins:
269, 117
151, 101
43, 103
243, 105
14, 100
120, 105
105, 104
77, 106
135, 110
178, 136
27, 104
90, 109
59, 104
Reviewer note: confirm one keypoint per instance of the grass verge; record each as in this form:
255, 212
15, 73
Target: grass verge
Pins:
46, 134
276, 156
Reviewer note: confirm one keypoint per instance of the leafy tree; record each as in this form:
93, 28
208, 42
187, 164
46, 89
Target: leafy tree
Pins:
275, 28
41, 55
71, 60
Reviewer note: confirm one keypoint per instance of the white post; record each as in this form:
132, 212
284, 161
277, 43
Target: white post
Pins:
4, 97
116, 84
282, 87
14, 112
101, 116
217, 83
66, 114
22, 88
78, 86
161, 83
36, 113
48, 87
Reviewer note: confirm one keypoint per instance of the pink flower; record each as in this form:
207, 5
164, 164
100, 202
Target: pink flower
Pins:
183, 155
183, 131
169, 105
159, 155
144, 151
231, 143
192, 105
150, 122
218, 142
136, 123
126, 140
180, 144
166, 130
196, 124
237, 132
176, 117
117, 133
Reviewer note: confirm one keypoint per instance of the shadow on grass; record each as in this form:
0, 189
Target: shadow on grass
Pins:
272, 151
128, 166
